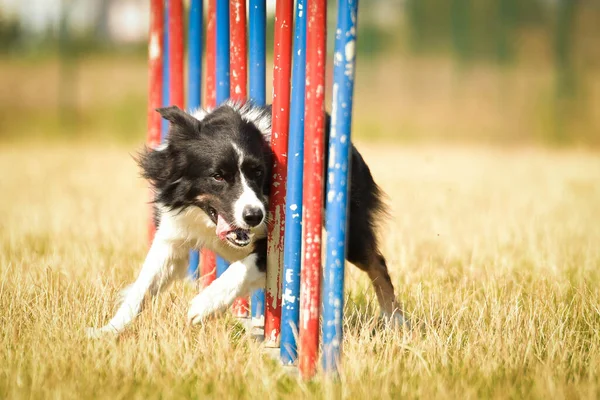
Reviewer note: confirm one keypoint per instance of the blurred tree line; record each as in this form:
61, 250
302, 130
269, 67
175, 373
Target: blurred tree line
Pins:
470, 32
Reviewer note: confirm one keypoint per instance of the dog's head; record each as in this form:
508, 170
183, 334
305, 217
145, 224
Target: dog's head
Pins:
219, 164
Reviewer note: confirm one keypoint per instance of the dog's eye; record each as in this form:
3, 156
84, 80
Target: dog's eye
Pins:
213, 212
258, 173
218, 177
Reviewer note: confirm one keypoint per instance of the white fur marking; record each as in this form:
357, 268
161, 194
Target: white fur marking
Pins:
238, 280
248, 198
164, 264
199, 114
161, 147
255, 115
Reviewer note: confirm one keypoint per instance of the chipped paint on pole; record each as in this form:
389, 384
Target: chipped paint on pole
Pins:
210, 97
238, 89
194, 85
279, 144
257, 89
208, 260
237, 48
292, 258
338, 172
313, 186
222, 75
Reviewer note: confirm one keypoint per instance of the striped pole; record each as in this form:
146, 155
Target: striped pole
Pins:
208, 262
155, 83
222, 74
279, 143
338, 171
292, 258
194, 92
257, 66
313, 186
238, 88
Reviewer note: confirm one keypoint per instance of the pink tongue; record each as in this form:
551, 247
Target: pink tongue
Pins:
223, 228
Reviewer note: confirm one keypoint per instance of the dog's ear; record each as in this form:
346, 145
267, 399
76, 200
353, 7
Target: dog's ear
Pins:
156, 165
178, 117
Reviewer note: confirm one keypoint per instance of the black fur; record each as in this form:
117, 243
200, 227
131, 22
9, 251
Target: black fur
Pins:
197, 151
183, 175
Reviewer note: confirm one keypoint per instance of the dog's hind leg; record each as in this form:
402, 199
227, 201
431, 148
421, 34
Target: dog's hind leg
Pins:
380, 278
366, 206
368, 259
164, 264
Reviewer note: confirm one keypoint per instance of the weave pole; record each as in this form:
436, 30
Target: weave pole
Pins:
292, 256
238, 88
194, 92
155, 85
338, 173
257, 67
279, 143
165, 70
222, 74
208, 260
176, 53
313, 186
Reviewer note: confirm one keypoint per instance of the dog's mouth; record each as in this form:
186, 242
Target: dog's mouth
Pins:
225, 231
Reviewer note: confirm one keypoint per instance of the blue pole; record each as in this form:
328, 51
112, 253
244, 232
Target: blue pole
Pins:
222, 73
194, 87
194, 55
222, 70
257, 71
165, 94
292, 256
338, 172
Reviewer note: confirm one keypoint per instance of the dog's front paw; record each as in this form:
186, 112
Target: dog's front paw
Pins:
97, 333
199, 309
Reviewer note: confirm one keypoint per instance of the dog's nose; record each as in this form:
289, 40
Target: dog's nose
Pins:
252, 215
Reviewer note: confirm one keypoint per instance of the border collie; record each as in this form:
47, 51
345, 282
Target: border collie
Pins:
211, 181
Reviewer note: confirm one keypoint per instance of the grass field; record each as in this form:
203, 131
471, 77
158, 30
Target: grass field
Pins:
494, 253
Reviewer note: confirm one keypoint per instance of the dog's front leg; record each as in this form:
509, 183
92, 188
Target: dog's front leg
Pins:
164, 263
241, 278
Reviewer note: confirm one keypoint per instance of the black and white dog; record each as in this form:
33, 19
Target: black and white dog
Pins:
211, 180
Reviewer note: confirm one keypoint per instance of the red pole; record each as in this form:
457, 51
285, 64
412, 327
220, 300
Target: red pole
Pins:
238, 87
210, 99
176, 52
155, 83
208, 268
279, 143
237, 50
313, 187
208, 261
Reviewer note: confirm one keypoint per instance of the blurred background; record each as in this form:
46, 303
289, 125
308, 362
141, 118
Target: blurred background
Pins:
502, 72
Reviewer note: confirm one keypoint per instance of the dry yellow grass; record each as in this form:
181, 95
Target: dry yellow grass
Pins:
495, 255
